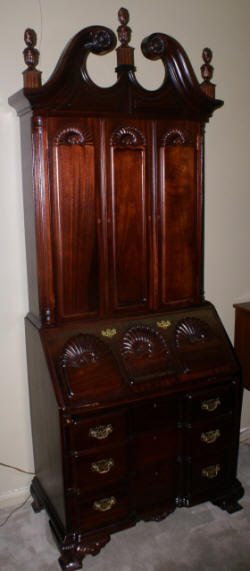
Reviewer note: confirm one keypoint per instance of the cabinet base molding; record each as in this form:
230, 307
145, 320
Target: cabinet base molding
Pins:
75, 546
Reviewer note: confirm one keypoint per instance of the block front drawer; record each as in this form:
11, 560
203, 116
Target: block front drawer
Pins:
207, 404
104, 508
96, 431
99, 468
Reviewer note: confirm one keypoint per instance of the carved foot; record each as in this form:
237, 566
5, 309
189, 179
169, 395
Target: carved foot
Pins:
38, 503
229, 502
73, 552
67, 563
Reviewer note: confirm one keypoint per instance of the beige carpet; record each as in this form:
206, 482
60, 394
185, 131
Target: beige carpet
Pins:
203, 538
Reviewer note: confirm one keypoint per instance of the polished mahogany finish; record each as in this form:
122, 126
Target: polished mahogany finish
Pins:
134, 387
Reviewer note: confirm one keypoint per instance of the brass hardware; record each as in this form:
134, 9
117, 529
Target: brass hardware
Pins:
108, 333
211, 471
104, 504
101, 432
68, 420
91, 404
102, 466
210, 436
211, 404
163, 324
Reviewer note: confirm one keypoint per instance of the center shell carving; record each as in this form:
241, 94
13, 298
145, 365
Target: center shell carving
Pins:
142, 342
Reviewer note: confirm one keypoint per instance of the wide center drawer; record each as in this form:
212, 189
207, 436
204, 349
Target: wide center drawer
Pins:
158, 412
150, 447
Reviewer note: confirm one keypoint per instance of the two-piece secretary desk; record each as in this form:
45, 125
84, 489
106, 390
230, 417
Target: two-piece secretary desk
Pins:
134, 387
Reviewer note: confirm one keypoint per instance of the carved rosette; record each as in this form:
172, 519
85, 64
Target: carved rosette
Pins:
81, 350
73, 136
100, 40
155, 47
142, 342
127, 137
192, 331
173, 137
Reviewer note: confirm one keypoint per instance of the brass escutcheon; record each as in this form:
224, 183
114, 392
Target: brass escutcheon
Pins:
211, 471
104, 504
210, 436
102, 466
101, 432
164, 324
211, 404
108, 332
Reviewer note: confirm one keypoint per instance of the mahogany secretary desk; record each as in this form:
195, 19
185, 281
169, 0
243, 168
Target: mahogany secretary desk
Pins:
134, 387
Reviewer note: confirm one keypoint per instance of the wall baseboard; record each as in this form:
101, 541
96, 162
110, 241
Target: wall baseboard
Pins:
245, 434
14, 497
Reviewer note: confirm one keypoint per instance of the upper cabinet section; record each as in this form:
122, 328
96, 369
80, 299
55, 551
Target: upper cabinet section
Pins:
71, 89
113, 183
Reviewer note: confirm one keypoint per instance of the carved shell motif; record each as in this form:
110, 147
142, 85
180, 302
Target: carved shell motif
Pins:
82, 350
142, 342
192, 331
173, 137
74, 136
127, 136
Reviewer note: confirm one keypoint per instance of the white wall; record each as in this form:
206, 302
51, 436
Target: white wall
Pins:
222, 25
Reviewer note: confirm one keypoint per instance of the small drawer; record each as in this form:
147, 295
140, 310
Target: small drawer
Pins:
209, 438
151, 447
160, 412
209, 403
210, 472
99, 468
155, 484
104, 508
96, 431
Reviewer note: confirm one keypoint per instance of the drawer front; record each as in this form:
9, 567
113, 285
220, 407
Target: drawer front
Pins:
210, 403
151, 447
97, 431
157, 412
99, 468
155, 484
211, 472
104, 508
210, 437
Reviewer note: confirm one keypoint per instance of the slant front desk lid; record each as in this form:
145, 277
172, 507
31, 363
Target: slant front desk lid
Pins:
111, 361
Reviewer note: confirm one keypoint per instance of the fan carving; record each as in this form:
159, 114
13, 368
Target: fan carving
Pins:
142, 342
127, 136
173, 137
192, 331
83, 350
74, 136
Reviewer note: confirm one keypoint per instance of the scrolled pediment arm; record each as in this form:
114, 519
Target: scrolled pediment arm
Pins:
178, 68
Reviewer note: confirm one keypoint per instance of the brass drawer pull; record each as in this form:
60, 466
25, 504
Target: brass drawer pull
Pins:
210, 436
102, 466
163, 324
211, 404
101, 432
104, 504
211, 471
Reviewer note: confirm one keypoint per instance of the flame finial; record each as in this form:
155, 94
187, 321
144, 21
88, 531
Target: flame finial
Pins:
125, 54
